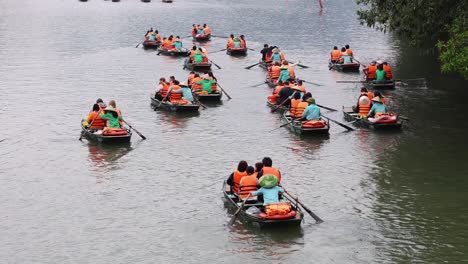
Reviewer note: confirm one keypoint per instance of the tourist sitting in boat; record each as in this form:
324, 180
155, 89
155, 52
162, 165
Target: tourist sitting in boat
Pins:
113, 104
269, 190
388, 71
277, 55
207, 85
284, 96
93, 120
162, 89
184, 90
285, 74
197, 57
378, 108
193, 51
335, 55
237, 43
165, 43
312, 112
345, 58
268, 169
273, 98
230, 42
370, 70
112, 118
200, 31
242, 40
190, 78
294, 103
264, 52
258, 168
274, 71
378, 94
301, 106
194, 30
349, 50
194, 84
299, 86
158, 37
380, 74
235, 177
207, 29
248, 183
292, 74
177, 44
364, 103
214, 86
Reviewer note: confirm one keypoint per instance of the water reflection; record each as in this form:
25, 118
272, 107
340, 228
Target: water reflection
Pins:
104, 158
176, 119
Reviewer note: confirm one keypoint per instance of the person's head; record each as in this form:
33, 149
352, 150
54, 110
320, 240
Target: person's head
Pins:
95, 107
241, 36
377, 93
343, 49
280, 83
363, 90
151, 29
192, 72
242, 166
231, 36
267, 162
347, 46
285, 62
335, 48
170, 38
250, 170
286, 83
99, 100
204, 25
373, 63
157, 32
306, 96
265, 45
177, 37
210, 74
193, 25
196, 75
171, 78
277, 63
299, 82
385, 63
176, 82
112, 103
380, 67
297, 96
311, 100
200, 49
164, 38
258, 166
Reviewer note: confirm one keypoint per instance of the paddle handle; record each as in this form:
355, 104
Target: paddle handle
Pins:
143, 137
316, 218
222, 90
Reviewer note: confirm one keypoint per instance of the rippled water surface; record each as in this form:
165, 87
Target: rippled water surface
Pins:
385, 197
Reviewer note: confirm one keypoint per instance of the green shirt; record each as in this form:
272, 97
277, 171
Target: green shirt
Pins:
380, 75
113, 122
198, 57
206, 85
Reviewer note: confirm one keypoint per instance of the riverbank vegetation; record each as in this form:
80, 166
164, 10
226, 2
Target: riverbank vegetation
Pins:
443, 23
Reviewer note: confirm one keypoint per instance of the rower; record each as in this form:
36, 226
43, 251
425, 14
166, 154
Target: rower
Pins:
112, 118
335, 55
190, 78
273, 98
197, 57
378, 108
214, 86
158, 37
162, 88
237, 43
113, 104
268, 169
200, 30
177, 44
194, 30
264, 52
276, 56
207, 84
285, 94
312, 112
235, 177
284, 74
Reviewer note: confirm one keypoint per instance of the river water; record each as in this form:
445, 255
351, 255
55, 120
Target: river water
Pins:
385, 197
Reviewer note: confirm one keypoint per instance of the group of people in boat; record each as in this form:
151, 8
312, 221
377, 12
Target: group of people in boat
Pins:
245, 181
177, 92
272, 54
104, 117
378, 71
152, 35
198, 55
172, 43
344, 56
236, 42
371, 105
198, 30
281, 71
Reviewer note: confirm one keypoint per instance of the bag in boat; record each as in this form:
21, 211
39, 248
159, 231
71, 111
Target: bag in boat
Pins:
278, 211
313, 124
114, 132
268, 181
253, 210
383, 118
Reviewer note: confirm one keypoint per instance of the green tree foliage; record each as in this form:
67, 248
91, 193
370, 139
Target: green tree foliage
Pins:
420, 21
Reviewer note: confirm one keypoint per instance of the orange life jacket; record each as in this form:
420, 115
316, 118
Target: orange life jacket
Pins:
268, 56
164, 89
247, 184
175, 96
214, 86
335, 55
282, 56
272, 171
370, 95
300, 109
364, 108
196, 86
190, 78
194, 31
230, 43
236, 180
207, 30
350, 52
275, 72
292, 109
292, 74
277, 89
98, 122
242, 41
388, 70
371, 71
158, 37
301, 88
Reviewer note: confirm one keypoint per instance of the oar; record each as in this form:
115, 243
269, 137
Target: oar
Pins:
233, 219
283, 125
160, 102
325, 107
258, 84
303, 66
341, 124
316, 218
411, 80
215, 64
248, 67
359, 62
143, 137
222, 90
351, 81
216, 36
139, 44
332, 65
278, 107
198, 102
159, 52
250, 49
403, 117
312, 83
217, 51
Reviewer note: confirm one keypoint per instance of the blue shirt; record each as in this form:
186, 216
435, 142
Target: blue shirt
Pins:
177, 45
237, 44
347, 59
152, 37
276, 57
377, 108
201, 32
284, 75
270, 195
312, 112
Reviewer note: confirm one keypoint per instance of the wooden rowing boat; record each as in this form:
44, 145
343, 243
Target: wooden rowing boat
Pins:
351, 116
148, 44
199, 67
236, 51
212, 97
271, 83
281, 109
298, 128
344, 67
173, 53
97, 136
385, 85
202, 37
264, 65
168, 106
246, 214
